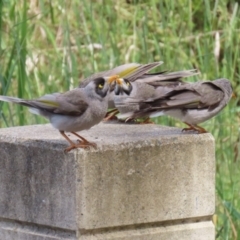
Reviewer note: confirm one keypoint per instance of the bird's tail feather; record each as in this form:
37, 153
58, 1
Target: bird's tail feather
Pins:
167, 77
34, 111
15, 100
140, 70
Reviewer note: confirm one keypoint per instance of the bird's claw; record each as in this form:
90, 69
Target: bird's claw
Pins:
89, 144
111, 115
80, 144
188, 129
194, 128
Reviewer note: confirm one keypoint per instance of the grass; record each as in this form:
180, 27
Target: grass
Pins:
48, 46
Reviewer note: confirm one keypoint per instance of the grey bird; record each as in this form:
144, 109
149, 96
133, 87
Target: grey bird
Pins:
75, 110
129, 71
192, 103
150, 86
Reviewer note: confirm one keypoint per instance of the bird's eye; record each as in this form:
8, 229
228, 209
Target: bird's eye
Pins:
100, 85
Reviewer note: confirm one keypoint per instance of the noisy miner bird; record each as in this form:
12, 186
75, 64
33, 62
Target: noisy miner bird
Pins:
75, 110
144, 85
151, 86
192, 103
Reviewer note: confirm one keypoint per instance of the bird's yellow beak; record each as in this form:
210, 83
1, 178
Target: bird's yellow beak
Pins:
112, 79
119, 81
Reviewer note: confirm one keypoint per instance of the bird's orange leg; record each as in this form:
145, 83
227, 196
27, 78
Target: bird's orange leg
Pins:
73, 145
191, 127
84, 141
195, 128
201, 129
111, 115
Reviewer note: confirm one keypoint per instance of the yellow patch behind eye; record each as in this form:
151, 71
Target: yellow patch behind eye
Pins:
100, 85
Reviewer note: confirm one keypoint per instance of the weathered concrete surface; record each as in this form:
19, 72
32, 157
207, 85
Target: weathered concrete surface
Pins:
139, 175
195, 231
14, 230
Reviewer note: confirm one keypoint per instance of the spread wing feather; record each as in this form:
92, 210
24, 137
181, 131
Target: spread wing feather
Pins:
58, 103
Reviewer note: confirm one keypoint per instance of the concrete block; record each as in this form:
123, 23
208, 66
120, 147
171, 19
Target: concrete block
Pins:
194, 231
139, 176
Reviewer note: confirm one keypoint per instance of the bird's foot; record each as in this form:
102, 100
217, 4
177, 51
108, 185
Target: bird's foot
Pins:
110, 118
111, 115
74, 146
81, 143
84, 141
87, 143
201, 130
194, 128
189, 129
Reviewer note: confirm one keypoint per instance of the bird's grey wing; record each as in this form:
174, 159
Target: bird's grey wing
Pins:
47, 101
69, 103
167, 78
131, 71
122, 71
142, 69
157, 85
197, 95
175, 99
166, 82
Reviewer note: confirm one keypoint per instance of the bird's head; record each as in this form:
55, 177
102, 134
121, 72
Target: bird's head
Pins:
122, 86
101, 85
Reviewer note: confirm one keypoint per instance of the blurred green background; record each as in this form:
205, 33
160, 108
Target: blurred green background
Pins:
49, 46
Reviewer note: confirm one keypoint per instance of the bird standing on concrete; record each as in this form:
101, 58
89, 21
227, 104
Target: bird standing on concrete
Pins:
192, 103
75, 110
